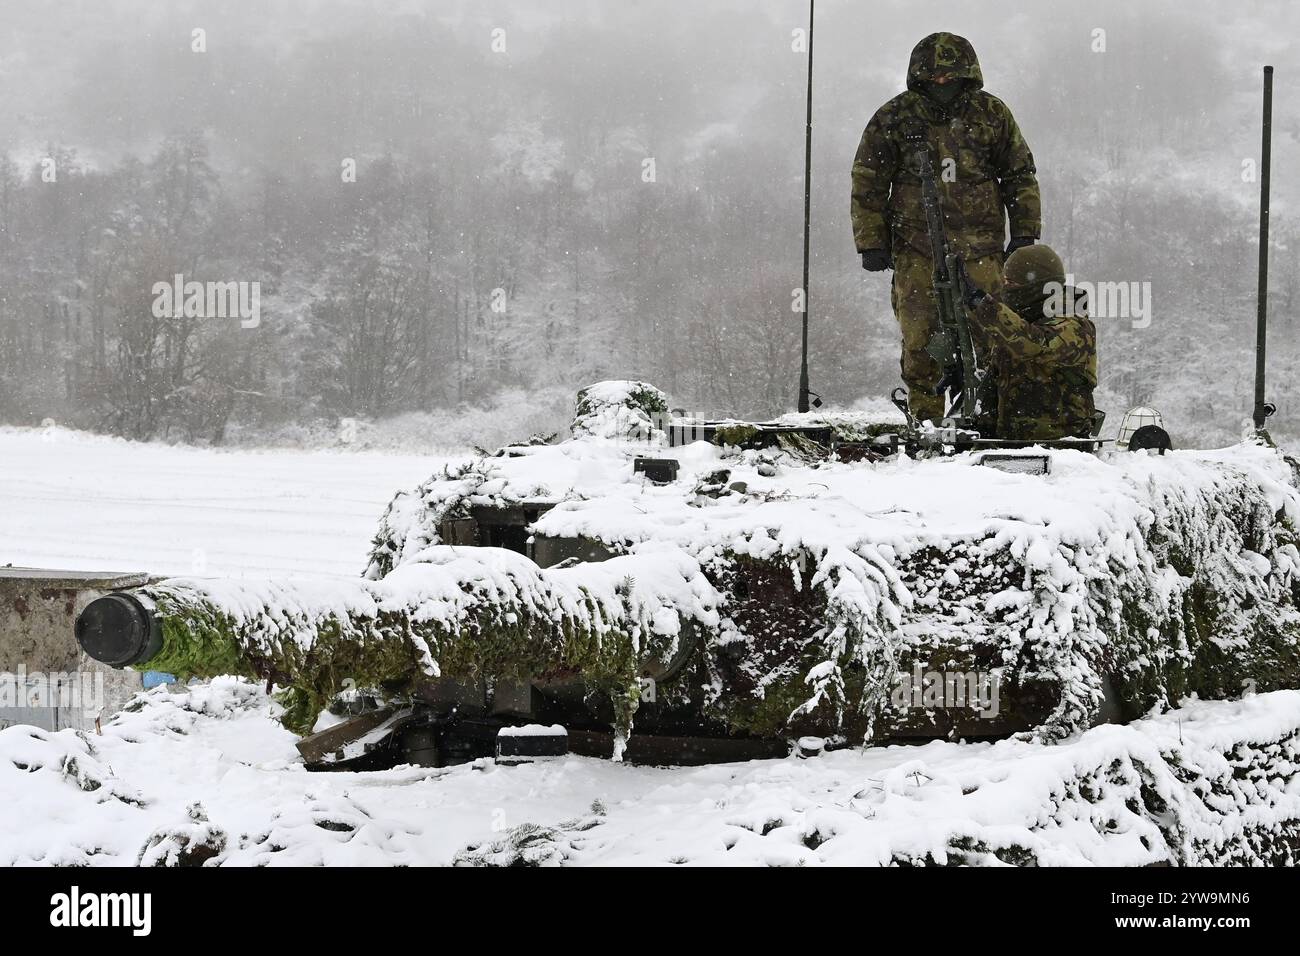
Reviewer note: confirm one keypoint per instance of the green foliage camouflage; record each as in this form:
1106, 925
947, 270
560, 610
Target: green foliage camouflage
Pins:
315, 651
739, 434
1202, 597
615, 409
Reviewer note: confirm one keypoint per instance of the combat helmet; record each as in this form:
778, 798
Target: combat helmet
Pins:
1026, 275
1033, 265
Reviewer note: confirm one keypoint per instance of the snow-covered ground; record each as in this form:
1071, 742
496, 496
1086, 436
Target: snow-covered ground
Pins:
73, 799
84, 502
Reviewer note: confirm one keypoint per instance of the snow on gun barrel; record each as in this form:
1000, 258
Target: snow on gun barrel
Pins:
772, 590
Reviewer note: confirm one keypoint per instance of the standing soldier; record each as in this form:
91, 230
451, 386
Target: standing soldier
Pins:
984, 167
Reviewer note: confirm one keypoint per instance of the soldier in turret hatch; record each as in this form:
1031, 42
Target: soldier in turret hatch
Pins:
1040, 349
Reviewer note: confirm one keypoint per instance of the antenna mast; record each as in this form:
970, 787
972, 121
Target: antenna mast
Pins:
804, 391
1262, 408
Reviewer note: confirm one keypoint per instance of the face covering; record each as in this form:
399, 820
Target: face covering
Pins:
944, 93
1026, 301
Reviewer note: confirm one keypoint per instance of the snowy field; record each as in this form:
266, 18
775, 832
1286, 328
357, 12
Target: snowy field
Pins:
85, 502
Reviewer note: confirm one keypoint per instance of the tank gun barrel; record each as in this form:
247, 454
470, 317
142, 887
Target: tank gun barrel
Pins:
492, 613
119, 629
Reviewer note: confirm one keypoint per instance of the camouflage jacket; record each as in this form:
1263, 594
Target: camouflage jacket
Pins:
1043, 372
983, 163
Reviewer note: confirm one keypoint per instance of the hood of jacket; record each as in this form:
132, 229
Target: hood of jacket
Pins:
944, 54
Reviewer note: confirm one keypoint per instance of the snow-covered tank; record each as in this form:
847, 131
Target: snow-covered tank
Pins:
680, 590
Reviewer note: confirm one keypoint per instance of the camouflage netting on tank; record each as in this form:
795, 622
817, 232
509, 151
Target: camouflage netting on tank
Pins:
623, 411
412, 520
493, 614
619, 410
1197, 596
1183, 579
1231, 805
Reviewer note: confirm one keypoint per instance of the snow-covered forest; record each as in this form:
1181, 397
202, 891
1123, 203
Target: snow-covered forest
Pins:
548, 195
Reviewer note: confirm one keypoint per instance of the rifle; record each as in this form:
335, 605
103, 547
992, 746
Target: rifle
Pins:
951, 345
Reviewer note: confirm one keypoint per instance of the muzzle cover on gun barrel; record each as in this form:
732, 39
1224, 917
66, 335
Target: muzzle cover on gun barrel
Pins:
118, 629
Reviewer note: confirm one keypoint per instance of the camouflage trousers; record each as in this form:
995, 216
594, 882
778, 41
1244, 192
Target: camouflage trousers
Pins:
918, 317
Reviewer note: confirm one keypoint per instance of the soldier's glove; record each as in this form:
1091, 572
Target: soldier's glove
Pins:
876, 260
975, 296
951, 380
1017, 242
971, 294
